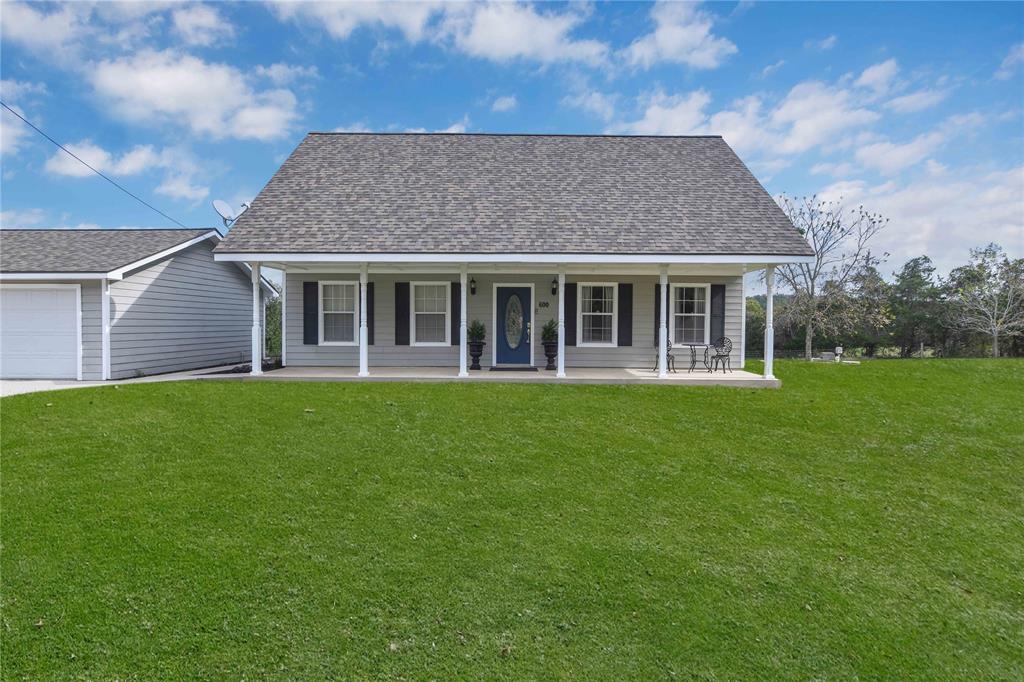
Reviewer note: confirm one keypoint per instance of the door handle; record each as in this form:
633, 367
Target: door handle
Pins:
528, 324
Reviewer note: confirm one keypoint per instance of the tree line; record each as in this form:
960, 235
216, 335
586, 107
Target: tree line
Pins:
842, 299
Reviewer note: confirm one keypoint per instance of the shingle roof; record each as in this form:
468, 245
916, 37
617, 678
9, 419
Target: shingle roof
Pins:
465, 193
84, 250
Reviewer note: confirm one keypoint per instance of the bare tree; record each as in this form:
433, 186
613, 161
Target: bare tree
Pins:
841, 240
987, 295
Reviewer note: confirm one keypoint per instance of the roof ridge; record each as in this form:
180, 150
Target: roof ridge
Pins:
445, 134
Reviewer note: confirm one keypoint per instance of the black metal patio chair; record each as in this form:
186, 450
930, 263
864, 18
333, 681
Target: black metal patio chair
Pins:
670, 360
721, 350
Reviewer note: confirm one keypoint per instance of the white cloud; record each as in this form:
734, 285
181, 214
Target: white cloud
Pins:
944, 216
834, 169
354, 128
682, 35
593, 102
824, 44
201, 25
459, 126
179, 168
340, 19
879, 77
916, 101
180, 186
772, 68
814, 113
52, 33
209, 98
1013, 59
28, 218
669, 114
497, 31
283, 74
503, 32
890, 158
505, 103
13, 132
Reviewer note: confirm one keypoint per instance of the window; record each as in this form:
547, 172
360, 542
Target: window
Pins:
339, 319
596, 323
429, 312
690, 313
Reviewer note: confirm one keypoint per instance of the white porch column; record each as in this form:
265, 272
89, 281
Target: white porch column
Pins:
257, 340
560, 374
663, 326
769, 317
463, 285
743, 319
105, 339
284, 317
364, 332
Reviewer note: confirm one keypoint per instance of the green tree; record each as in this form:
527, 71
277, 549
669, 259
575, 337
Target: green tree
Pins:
915, 303
987, 295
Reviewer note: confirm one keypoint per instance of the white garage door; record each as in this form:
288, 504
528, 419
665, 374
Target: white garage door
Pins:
39, 335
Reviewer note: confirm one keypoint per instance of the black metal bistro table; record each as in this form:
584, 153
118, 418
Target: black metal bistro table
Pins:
693, 354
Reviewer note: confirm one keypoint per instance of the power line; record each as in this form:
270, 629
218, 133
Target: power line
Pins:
77, 158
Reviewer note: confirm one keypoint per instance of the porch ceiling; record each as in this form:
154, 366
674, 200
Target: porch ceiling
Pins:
714, 269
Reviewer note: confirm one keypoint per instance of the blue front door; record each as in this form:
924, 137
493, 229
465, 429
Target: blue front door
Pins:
513, 312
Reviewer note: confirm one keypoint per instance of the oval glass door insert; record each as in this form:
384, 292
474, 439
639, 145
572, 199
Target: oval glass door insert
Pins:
514, 321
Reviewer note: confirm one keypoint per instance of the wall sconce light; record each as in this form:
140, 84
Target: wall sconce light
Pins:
554, 287
472, 287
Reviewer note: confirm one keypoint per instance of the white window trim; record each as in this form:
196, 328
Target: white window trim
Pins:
320, 305
707, 309
447, 314
614, 313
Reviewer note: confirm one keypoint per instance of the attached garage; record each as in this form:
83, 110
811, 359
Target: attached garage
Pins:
115, 304
40, 331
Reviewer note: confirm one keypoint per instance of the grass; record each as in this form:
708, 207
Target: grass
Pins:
861, 522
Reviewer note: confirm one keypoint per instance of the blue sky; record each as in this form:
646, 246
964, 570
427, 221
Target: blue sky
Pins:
913, 110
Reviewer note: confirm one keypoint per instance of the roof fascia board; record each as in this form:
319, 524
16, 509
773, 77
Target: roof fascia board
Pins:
23, 276
737, 259
120, 272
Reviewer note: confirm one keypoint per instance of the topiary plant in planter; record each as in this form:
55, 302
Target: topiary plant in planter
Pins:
476, 332
549, 337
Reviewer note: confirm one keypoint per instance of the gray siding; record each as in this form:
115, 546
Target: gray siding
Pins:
385, 353
184, 312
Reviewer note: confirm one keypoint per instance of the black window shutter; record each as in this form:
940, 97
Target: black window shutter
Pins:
456, 311
717, 311
625, 314
369, 313
401, 313
657, 313
570, 313
310, 313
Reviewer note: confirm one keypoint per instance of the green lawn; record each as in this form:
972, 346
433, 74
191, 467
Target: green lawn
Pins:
861, 522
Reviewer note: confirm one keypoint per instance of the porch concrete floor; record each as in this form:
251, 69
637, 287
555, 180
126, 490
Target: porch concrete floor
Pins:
736, 378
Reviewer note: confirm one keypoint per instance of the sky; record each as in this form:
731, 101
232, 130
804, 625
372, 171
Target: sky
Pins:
915, 110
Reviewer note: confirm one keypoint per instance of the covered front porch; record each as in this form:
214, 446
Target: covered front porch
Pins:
617, 319
596, 375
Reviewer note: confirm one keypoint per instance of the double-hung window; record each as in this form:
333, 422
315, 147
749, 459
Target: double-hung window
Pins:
596, 322
690, 313
339, 313
430, 323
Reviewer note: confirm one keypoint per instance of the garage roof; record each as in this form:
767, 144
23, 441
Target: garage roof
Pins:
86, 251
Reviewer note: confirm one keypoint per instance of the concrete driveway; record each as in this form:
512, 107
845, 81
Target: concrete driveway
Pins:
19, 386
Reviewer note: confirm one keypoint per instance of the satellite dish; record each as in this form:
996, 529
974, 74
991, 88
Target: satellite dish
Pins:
225, 212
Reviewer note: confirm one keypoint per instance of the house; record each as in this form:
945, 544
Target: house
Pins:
112, 304
392, 243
